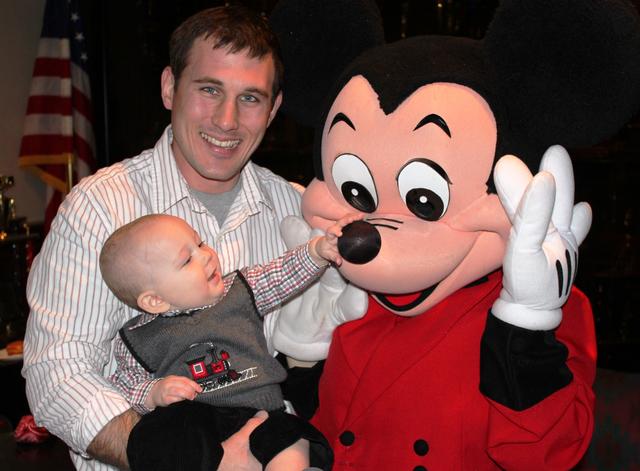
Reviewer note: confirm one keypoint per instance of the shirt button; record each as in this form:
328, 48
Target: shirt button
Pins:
421, 447
347, 438
419, 468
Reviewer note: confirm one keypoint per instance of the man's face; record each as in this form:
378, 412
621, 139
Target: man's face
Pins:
181, 268
220, 109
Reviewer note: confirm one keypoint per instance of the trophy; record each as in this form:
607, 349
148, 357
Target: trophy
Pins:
7, 205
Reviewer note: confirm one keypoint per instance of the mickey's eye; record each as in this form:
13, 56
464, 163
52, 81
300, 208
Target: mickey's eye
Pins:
354, 180
424, 187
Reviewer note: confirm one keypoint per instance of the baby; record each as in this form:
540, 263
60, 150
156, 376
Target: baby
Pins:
201, 338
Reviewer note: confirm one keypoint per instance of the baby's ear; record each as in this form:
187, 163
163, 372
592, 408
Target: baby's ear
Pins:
150, 302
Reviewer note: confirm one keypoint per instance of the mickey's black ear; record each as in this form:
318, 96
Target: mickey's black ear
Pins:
567, 70
318, 38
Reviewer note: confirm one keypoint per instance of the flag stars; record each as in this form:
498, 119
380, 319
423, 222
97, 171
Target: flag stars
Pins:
84, 57
75, 17
79, 37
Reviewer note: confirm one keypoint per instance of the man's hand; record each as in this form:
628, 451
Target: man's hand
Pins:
237, 455
171, 389
305, 324
542, 251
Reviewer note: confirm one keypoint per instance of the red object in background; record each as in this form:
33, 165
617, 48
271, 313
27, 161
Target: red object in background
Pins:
28, 432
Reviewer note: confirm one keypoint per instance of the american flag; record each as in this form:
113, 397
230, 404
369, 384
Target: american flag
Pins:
58, 125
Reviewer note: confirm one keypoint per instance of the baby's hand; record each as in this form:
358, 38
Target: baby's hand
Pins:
171, 389
326, 247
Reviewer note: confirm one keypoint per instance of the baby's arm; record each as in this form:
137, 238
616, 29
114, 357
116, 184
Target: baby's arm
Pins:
171, 389
142, 390
284, 277
324, 249
131, 378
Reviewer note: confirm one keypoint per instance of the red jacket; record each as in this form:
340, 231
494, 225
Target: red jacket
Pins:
400, 393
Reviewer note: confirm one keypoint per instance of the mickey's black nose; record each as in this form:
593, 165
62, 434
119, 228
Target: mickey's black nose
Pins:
360, 242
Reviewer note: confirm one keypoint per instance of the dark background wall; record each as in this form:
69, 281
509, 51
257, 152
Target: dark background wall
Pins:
129, 50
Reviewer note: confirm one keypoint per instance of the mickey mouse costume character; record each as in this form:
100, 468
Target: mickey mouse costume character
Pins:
476, 352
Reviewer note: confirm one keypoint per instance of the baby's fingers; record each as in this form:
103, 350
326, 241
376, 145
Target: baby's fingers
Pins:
342, 222
349, 218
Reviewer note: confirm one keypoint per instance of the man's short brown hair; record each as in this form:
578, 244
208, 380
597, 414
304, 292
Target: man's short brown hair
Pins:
233, 27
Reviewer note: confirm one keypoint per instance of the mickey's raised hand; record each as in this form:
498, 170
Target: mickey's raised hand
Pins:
541, 256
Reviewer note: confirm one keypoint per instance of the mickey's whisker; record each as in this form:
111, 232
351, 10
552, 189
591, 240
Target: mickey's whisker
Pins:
385, 225
384, 219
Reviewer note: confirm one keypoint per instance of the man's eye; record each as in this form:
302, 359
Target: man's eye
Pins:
201, 243
249, 99
186, 262
210, 90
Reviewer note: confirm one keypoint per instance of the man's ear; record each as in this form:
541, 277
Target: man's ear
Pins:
276, 105
150, 302
167, 84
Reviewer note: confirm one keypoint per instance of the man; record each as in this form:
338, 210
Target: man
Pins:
223, 90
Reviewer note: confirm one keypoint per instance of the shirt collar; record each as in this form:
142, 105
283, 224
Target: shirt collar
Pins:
253, 192
170, 187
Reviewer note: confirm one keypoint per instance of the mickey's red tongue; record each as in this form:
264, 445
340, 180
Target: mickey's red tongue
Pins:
404, 302
402, 299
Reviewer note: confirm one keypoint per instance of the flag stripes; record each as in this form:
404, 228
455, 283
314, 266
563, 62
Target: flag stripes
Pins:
58, 127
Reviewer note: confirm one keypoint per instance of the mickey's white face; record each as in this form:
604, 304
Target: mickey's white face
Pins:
419, 174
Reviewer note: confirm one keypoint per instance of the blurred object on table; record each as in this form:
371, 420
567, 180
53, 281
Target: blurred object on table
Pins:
28, 432
7, 205
18, 246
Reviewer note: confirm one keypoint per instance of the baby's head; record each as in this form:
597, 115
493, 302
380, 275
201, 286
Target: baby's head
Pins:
158, 263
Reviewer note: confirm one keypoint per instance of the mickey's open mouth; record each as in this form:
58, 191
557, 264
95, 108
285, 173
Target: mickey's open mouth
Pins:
404, 302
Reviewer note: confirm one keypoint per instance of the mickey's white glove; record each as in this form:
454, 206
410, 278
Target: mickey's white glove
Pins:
305, 325
542, 251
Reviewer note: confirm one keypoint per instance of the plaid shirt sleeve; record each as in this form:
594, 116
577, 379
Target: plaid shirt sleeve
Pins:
131, 378
282, 278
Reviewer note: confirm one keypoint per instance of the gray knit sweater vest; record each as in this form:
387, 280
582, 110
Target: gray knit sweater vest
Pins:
221, 347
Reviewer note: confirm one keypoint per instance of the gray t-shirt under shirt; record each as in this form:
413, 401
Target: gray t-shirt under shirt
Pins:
218, 204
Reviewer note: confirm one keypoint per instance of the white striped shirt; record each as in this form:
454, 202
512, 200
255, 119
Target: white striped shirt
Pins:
74, 317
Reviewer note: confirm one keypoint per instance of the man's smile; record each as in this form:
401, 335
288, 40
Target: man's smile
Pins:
227, 144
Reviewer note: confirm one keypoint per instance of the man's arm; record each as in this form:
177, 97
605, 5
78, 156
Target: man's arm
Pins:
110, 445
70, 328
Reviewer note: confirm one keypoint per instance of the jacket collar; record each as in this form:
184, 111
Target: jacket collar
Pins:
395, 344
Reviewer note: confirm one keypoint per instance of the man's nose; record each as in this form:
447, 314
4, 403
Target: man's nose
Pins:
225, 116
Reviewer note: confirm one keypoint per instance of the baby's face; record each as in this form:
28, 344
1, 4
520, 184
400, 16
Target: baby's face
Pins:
183, 270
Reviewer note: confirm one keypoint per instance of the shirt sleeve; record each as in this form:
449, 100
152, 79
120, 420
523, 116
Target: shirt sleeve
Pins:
73, 321
131, 378
282, 278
